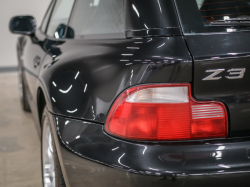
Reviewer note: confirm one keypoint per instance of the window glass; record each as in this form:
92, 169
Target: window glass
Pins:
199, 16
92, 17
59, 20
46, 18
212, 10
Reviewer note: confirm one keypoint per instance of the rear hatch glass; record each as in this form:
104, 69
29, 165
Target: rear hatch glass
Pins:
205, 16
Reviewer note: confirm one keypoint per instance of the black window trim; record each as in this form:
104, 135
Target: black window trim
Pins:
52, 3
51, 37
70, 15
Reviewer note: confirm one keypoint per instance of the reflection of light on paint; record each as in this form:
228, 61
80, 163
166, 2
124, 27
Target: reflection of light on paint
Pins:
78, 137
232, 53
93, 111
161, 45
135, 9
119, 160
146, 26
53, 99
127, 54
54, 83
231, 30
220, 148
66, 91
159, 5
124, 60
168, 171
217, 155
66, 122
153, 169
72, 111
133, 48
115, 148
132, 73
226, 17
224, 166
85, 88
150, 40
144, 150
77, 75
129, 64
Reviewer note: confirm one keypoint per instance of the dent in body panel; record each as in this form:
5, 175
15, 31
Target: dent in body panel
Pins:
97, 71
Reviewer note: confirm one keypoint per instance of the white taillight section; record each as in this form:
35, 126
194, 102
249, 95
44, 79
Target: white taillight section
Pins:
165, 112
207, 111
160, 95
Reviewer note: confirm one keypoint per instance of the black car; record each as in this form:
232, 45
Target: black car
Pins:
139, 93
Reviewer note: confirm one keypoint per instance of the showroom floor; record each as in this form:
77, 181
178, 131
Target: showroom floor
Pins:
19, 142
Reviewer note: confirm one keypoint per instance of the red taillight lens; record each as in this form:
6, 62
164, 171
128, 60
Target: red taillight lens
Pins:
165, 112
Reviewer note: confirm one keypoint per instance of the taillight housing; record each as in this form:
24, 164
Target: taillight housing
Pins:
165, 112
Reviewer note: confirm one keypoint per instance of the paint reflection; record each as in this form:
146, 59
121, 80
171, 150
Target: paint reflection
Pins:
160, 60
85, 138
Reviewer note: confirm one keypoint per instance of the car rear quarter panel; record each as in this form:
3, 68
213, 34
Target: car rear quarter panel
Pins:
82, 78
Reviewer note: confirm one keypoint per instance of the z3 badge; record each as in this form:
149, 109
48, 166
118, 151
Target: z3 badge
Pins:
234, 73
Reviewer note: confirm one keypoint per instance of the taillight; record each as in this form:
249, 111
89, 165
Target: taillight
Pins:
165, 112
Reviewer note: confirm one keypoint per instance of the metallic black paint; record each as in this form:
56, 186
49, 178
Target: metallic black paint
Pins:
85, 76
109, 66
224, 51
153, 33
31, 48
162, 21
188, 163
153, 14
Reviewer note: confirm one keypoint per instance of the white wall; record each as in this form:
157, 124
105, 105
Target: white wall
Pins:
8, 9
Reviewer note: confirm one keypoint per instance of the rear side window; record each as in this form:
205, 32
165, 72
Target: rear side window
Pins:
46, 18
97, 17
60, 17
212, 10
205, 16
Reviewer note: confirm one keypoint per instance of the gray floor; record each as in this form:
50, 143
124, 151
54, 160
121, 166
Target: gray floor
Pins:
19, 143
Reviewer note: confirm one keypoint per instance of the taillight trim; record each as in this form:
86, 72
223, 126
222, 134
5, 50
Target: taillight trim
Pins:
119, 98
